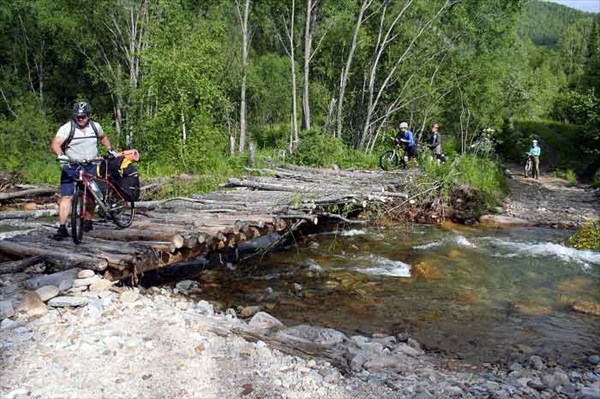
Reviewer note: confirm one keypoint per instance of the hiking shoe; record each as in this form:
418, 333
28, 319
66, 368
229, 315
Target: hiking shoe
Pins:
88, 225
61, 234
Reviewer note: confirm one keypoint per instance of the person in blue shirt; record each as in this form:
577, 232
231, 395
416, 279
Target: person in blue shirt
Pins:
405, 136
535, 152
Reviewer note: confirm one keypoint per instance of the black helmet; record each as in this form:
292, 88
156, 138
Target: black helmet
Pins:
82, 109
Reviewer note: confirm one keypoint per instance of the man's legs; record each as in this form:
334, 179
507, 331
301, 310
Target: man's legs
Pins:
64, 208
536, 167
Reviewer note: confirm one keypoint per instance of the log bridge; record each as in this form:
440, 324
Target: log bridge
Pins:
166, 232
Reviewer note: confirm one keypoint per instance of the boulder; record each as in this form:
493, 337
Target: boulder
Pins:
318, 335
68, 301
47, 292
500, 221
263, 320
32, 304
6, 309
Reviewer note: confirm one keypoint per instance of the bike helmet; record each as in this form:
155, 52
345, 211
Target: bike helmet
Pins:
404, 125
82, 109
534, 141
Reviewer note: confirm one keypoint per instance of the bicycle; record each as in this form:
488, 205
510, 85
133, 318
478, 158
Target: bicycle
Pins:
393, 158
528, 168
104, 194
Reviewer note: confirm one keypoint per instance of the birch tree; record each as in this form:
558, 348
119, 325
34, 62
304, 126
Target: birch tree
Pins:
312, 10
346, 71
243, 17
289, 49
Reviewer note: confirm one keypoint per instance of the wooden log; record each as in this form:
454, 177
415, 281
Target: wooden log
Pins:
20, 265
39, 213
28, 193
133, 234
177, 241
23, 251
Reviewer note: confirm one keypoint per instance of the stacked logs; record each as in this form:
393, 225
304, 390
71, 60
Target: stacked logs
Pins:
179, 229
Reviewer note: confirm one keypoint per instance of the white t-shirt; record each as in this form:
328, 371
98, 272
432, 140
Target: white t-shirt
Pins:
84, 145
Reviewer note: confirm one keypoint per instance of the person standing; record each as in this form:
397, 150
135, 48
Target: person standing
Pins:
406, 137
535, 152
76, 140
435, 143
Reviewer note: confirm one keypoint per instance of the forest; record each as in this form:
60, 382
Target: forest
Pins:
194, 84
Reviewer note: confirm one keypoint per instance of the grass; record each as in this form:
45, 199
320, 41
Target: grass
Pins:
568, 174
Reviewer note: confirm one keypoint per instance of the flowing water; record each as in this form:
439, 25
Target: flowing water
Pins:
481, 295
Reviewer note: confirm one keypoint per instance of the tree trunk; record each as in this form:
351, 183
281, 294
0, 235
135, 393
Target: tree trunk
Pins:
244, 26
309, 28
346, 71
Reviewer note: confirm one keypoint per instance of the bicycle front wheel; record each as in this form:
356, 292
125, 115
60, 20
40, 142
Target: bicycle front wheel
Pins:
388, 160
77, 216
121, 211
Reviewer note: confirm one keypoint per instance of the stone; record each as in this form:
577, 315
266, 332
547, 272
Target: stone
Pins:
386, 363
84, 282
500, 220
265, 321
589, 393
68, 301
129, 296
101, 285
594, 359
186, 285
65, 286
7, 323
32, 304
47, 292
54, 279
249, 311
6, 309
21, 334
536, 362
85, 273
318, 335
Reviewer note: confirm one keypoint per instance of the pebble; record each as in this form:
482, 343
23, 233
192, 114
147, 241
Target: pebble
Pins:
594, 359
84, 282
68, 301
47, 292
6, 309
86, 273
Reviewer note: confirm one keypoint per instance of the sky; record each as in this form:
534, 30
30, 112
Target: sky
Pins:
584, 5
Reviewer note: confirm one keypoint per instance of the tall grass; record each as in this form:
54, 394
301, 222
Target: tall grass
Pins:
480, 173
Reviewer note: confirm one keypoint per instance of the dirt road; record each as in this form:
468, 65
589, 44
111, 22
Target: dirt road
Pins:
550, 201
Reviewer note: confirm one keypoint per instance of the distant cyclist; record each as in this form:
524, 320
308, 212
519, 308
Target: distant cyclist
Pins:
406, 137
76, 140
534, 153
435, 143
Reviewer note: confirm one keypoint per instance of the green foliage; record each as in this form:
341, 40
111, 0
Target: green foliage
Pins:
569, 175
587, 236
480, 173
319, 149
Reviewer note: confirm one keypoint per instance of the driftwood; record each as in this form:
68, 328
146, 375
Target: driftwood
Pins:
28, 214
20, 265
28, 193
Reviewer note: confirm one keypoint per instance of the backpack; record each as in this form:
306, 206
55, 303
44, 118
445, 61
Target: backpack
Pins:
66, 143
121, 172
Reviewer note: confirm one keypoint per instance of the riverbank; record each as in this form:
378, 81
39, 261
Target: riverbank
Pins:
123, 342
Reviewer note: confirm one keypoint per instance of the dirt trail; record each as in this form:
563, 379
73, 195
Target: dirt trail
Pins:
549, 201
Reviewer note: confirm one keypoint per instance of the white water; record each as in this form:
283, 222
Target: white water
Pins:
461, 241
384, 267
584, 258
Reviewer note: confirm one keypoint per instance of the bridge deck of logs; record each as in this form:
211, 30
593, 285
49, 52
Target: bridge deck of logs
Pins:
181, 229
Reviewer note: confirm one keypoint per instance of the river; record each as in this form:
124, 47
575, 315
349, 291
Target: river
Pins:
479, 295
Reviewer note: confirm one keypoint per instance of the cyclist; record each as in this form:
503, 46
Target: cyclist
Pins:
534, 152
436, 143
405, 136
76, 140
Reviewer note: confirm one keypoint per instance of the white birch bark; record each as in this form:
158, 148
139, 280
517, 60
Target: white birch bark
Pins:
309, 28
243, 17
346, 71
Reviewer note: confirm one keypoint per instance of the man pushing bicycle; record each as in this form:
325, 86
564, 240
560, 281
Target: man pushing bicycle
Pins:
76, 140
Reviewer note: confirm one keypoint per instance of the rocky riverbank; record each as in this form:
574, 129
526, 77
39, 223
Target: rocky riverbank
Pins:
74, 334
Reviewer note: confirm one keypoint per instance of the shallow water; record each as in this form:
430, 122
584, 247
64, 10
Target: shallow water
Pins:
494, 295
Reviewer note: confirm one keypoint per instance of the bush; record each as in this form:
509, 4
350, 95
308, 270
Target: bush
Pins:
587, 236
568, 175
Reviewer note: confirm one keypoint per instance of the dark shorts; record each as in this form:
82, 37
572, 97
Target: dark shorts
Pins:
68, 176
411, 151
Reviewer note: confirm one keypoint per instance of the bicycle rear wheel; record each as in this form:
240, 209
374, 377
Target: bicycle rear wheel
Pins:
77, 216
528, 167
121, 211
388, 160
